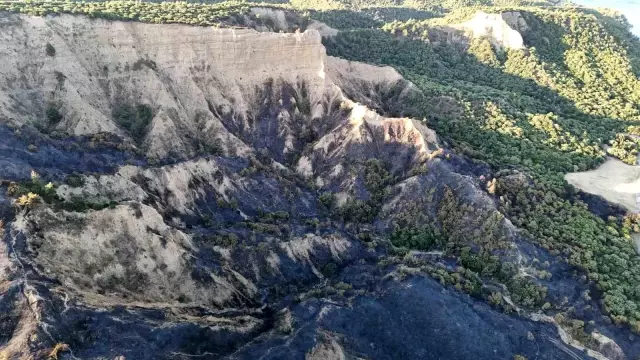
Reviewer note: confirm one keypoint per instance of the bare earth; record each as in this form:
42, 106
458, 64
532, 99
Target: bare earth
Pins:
614, 180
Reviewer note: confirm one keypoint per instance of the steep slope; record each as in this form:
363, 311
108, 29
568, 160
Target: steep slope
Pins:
179, 89
177, 239
232, 193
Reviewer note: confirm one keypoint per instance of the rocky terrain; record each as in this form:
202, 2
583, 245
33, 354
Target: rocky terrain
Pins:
176, 192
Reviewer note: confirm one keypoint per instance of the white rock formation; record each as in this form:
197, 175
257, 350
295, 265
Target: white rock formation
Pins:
203, 84
189, 76
614, 180
197, 81
498, 28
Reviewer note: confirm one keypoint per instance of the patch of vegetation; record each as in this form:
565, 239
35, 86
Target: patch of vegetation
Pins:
74, 180
601, 248
273, 217
226, 240
223, 204
376, 180
35, 186
215, 148
60, 78
52, 111
30, 193
423, 238
265, 228
546, 111
625, 148
144, 63
134, 119
50, 50
160, 13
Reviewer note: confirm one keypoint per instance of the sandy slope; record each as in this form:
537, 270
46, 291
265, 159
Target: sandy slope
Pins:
614, 180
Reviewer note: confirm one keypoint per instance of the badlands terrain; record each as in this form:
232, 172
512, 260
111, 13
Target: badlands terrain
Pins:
334, 181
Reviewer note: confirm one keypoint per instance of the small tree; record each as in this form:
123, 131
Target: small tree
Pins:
51, 51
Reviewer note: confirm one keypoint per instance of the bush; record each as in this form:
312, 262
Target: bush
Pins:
424, 238
28, 200
51, 51
327, 199
223, 240
53, 113
74, 180
134, 119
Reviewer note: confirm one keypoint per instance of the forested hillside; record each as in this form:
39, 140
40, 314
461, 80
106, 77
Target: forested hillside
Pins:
548, 110
323, 182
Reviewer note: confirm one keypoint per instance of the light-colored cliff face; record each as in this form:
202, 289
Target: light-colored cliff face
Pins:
128, 254
242, 91
345, 73
614, 180
188, 90
189, 77
516, 21
501, 29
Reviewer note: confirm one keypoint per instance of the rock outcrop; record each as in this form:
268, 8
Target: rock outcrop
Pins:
502, 30
615, 181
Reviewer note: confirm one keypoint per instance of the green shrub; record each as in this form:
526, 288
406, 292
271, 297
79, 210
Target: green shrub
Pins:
226, 240
53, 114
50, 50
74, 180
134, 119
424, 238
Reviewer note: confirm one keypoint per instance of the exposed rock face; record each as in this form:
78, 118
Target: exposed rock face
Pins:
278, 17
503, 30
126, 250
329, 350
404, 143
349, 74
516, 21
190, 78
608, 347
323, 29
614, 180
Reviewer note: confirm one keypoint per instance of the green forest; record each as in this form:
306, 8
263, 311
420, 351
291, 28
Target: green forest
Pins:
545, 110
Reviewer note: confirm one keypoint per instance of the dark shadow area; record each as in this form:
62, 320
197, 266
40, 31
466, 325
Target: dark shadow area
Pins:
25, 149
546, 37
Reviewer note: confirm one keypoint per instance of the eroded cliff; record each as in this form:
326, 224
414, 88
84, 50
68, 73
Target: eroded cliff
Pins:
231, 193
